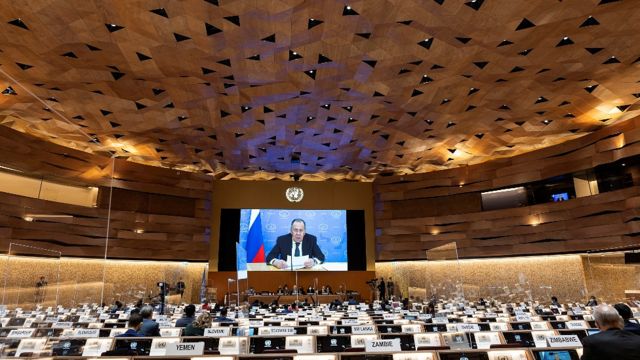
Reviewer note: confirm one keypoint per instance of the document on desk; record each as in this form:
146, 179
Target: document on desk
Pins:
296, 262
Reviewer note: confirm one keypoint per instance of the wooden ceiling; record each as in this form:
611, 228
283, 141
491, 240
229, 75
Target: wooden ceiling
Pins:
328, 89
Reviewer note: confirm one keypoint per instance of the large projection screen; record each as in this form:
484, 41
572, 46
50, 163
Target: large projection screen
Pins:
267, 236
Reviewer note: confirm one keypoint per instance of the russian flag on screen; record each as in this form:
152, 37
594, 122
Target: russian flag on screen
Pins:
255, 244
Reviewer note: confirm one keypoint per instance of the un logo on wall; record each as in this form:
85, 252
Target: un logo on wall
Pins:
294, 194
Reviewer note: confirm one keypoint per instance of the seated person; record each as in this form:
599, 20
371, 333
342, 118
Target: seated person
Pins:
554, 302
189, 316
297, 291
296, 243
626, 314
117, 306
592, 301
197, 327
311, 290
611, 342
352, 300
134, 324
223, 316
149, 326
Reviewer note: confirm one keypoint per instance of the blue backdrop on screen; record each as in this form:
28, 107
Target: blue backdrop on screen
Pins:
259, 229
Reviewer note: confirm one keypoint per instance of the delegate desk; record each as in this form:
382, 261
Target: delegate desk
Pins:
288, 299
328, 266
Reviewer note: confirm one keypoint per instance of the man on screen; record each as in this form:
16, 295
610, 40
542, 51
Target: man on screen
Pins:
296, 243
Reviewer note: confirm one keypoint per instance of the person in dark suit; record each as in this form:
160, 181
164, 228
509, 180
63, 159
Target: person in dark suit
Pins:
611, 342
135, 322
626, 314
381, 289
189, 316
149, 326
296, 243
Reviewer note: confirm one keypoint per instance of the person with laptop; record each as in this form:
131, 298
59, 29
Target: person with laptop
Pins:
611, 342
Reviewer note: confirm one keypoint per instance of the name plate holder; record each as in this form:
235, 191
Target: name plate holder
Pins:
563, 341
426, 339
276, 330
20, 333
86, 333
359, 341
363, 329
386, 345
185, 349
303, 344
96, 346
468, 327
159, 346
217, 332
233, 345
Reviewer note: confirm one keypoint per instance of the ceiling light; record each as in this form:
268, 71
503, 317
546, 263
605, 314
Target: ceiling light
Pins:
34, 217
9, 168
139, 231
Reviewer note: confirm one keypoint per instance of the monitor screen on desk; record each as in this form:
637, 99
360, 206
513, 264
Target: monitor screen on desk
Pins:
68, 347
525, 338
435, 327
330, 343
465, 356
141, 346
555, 355
266, 235
262, 344
389, 329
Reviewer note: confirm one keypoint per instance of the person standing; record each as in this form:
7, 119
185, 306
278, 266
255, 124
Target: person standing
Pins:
41, 290
180, 286
382, 290
390, 288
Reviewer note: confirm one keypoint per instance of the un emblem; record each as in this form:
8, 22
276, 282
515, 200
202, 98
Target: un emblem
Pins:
294, 194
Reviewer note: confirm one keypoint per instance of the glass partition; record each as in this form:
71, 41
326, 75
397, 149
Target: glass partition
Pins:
446, 284
612, 276
24, 288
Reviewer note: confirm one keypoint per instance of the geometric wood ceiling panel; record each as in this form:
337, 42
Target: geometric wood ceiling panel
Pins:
328, 89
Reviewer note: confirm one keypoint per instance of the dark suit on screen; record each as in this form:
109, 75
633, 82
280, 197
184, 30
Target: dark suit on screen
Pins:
283, 247
611, 344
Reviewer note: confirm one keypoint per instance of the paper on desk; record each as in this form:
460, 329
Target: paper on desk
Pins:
297, 262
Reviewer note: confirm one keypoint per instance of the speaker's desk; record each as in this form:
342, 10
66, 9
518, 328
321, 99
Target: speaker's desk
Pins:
327, 266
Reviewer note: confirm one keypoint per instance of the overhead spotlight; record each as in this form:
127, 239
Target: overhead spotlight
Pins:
28, 218
139, 231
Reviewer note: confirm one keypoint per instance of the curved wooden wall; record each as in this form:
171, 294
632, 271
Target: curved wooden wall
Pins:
172, 207
418, 212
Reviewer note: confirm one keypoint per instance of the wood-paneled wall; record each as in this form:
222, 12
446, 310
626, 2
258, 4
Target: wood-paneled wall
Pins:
418, 212
172, 208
